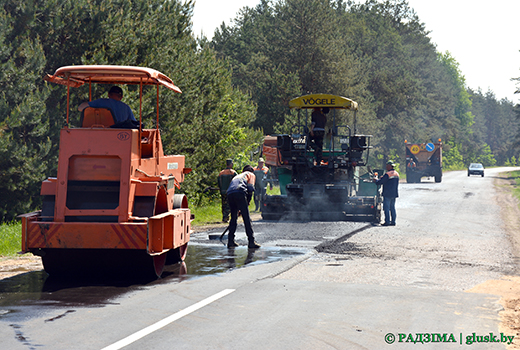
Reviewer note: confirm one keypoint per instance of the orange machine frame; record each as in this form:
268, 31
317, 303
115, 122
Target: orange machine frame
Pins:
134, 158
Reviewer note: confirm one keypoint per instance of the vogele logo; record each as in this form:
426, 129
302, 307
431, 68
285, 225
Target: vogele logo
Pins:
319, 101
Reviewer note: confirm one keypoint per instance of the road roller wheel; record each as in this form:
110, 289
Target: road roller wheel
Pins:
125, 263
183, 250
180, 201
52, 263
177, 255
158, 264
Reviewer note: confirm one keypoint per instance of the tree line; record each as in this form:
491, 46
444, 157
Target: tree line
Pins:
377, 53
209, 122
236, 87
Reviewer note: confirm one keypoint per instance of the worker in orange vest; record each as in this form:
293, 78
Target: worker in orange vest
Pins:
224, 179
261, 172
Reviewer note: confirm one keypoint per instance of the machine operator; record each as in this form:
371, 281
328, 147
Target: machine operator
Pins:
120, 110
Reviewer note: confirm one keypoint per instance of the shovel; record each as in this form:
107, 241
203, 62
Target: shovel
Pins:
223, 233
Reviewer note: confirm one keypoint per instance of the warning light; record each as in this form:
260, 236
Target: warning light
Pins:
439, 140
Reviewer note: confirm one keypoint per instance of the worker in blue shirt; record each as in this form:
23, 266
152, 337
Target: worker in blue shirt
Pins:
120, 110
239, 195
390, 183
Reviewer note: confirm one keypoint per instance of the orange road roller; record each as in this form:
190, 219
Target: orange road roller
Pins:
112, 205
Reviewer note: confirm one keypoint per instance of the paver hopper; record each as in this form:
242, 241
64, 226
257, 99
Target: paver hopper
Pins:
337, 187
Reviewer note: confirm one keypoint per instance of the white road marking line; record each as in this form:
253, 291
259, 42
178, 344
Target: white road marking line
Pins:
166, 321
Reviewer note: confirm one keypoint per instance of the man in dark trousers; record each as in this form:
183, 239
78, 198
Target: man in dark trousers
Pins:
261, 174
224, 179
390, 182
317, 133
239, 195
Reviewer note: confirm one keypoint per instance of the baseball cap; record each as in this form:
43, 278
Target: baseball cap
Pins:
116, 90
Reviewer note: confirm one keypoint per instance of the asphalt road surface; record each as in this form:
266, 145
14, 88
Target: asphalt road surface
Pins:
312, 285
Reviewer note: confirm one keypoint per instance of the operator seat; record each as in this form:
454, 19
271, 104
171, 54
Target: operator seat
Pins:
96, 117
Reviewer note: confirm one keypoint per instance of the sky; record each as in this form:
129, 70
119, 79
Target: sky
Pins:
480, 35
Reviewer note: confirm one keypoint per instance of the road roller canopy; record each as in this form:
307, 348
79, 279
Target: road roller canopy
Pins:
76, 76
323, 100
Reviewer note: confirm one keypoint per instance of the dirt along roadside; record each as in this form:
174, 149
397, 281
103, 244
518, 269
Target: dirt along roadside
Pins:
10, 266
508, 287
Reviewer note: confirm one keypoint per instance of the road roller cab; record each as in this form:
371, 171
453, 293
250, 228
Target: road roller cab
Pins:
112, 204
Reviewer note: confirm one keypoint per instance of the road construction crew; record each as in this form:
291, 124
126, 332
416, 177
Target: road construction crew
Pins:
224, 179
239, 195
390, 182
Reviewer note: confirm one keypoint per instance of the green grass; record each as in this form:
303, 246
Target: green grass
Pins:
208, 214
274, 191
10, 239
516, 188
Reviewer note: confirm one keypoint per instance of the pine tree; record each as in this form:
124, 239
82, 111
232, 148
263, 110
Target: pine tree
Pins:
24, 144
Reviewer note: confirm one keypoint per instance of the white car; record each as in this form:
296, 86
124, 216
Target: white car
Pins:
476, 169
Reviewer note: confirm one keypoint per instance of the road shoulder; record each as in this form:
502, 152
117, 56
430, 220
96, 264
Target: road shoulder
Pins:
508, 287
